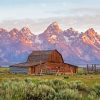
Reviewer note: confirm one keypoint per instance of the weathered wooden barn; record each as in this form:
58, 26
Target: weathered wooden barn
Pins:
44, 62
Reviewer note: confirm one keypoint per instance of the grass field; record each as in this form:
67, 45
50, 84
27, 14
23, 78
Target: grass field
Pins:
49, 87
89, 79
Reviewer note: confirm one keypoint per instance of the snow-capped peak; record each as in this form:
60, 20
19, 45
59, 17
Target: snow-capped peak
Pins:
2, 30
26, 31
54, 24
14, 30
90, 32
71, 32
53, 28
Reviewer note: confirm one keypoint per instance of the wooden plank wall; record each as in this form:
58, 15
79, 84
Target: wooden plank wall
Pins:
23, 70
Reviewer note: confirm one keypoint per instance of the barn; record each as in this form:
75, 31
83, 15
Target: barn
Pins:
44, 62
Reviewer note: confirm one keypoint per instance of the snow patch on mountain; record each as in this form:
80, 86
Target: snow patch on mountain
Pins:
37, 40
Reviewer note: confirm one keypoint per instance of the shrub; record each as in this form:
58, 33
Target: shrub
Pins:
96, 88
92, 96
78, 85
60, 91
57, 85
12, 90
40, 92
69, 94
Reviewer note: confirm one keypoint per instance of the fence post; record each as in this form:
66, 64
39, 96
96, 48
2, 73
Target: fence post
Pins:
87, 69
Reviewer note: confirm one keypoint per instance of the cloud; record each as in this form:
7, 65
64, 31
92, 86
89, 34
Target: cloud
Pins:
83, 11
80, 23
77, 11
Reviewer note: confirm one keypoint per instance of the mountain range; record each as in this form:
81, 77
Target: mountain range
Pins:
75, 47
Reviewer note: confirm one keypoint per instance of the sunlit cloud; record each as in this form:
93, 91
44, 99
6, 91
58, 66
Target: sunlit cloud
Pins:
79, 23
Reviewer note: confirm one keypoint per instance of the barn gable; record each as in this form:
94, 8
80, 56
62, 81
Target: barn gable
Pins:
55, 57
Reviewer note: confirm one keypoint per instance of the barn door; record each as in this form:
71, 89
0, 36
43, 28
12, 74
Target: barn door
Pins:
32, 70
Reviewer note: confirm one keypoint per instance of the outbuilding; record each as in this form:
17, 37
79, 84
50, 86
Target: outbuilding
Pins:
44, 62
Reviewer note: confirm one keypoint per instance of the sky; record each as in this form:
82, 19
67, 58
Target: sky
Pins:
38, 14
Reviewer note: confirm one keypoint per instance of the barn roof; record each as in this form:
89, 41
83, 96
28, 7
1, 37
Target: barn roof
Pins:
39, 56
26, 64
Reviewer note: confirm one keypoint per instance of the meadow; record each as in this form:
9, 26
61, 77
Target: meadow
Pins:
49, 87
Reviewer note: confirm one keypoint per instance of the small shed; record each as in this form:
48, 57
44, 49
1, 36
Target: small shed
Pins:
44, 62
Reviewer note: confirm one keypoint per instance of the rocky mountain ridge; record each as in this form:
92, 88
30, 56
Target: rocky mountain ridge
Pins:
75, 47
